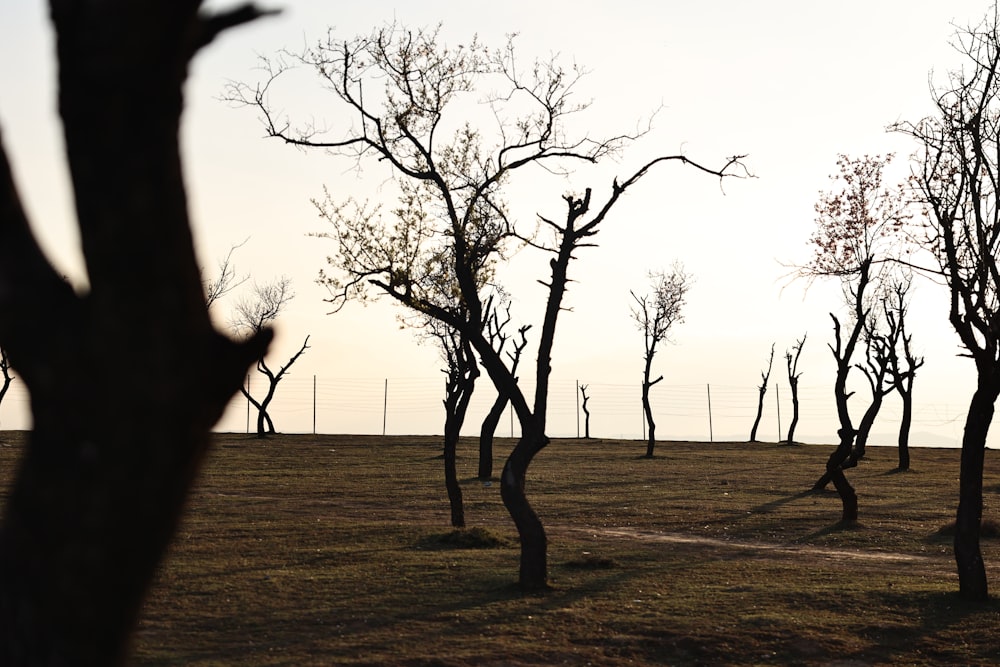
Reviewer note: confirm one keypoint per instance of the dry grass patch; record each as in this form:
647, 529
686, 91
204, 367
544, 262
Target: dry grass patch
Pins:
319, 550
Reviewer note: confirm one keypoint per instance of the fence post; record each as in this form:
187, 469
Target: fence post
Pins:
711, 435
777, 400
385, 405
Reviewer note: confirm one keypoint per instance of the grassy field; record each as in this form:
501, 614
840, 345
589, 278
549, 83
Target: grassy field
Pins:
336, 550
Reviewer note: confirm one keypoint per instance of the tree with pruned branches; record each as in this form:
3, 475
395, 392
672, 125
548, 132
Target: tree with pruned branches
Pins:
903, 361
792, 367
402, 97
586, 411
496, 331
761, 391
655, 314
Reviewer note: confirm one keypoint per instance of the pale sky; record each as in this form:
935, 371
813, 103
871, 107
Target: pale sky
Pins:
789, 83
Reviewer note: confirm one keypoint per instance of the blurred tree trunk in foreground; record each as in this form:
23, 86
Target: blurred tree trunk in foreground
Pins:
127, 379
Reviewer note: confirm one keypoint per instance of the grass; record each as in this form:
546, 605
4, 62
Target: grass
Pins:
319, 550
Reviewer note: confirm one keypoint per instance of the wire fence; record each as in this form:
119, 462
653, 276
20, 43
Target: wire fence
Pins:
698, 412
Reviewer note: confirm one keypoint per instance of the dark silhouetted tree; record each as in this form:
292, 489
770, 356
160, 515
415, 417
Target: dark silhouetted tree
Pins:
655, 314
126, 380
408, 101
586, 412
792, 365
857, 228
461, 372
226, 279
879, 349
957, 174
496, 330
903, 363
252, 315
761, 391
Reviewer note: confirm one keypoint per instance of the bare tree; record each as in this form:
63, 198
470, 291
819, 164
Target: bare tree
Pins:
112, 453
655, 314
403, 98
856, 228
498, 340
792, 364
956, 175
461, 372
226, 279
252, 315
586, 412
903, 363
879, 349
761, 391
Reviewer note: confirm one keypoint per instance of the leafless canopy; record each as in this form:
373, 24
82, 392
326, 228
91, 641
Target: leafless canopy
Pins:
253, 313
957, 174
657, 312
226, 280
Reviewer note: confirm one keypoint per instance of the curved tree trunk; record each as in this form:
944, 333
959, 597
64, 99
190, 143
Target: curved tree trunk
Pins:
968, 556
486, 434
533, 574
760, 411
461, 383
794, 385
858, 450
835, 465
264, 424
648, 411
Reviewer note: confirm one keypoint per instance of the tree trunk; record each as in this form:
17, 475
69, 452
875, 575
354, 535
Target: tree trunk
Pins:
451, 476
856, 452
840, 459
968, 557
534, 560
760, 411
126, 381
865, 427
648, 411
794, 385
586, 420
904, 431
486, 434
848, 498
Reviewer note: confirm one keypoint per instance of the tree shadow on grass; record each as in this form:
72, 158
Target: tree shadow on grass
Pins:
839, 527
989, 529
775, 504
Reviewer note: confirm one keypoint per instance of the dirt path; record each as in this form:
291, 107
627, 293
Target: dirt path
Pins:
760, 547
